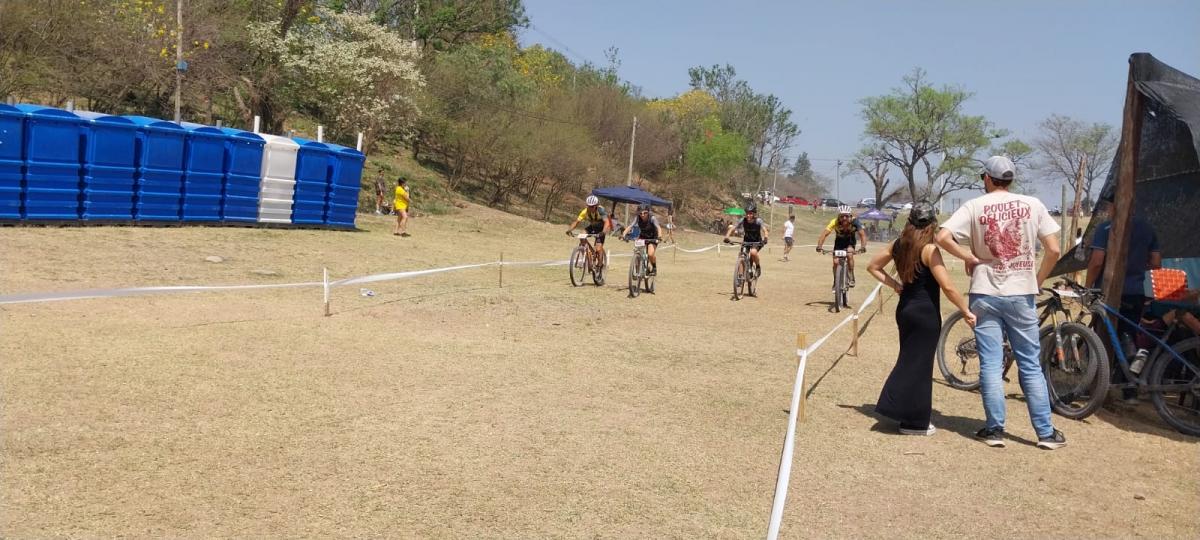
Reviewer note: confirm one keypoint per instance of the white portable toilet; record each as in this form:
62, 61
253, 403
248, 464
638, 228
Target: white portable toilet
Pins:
278, 188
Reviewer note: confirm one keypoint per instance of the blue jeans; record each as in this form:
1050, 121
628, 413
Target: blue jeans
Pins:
1016, 317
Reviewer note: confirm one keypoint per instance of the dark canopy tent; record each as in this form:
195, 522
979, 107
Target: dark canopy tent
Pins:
630, 195
1167, 186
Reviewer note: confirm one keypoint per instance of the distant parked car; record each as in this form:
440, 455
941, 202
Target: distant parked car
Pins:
799, 201
894, 206
1056, 211
868, 202
830, 203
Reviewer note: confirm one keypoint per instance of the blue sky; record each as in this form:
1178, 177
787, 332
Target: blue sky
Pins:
1024, 60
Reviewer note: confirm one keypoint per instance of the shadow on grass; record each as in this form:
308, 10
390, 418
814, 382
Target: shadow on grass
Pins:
862, 329
960, 425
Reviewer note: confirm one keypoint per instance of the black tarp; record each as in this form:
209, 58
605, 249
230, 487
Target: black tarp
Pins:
1167, 188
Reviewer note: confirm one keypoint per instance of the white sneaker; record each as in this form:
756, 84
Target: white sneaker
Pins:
924, 432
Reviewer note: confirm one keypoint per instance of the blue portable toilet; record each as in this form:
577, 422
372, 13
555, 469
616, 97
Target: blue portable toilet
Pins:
12, 141
243, 175
109, 166
52, 163
347, 179
203, 172
313, 168
160, 169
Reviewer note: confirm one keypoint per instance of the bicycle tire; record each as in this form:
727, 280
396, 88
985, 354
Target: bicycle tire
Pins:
839, 281
578, 263
964, 351
1180, 409
635, 279
1079, 383
647, 279
739, 280
751, 279
598, 272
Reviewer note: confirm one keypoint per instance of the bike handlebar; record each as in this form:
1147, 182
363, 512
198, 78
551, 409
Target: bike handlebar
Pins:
751, 244
824, 251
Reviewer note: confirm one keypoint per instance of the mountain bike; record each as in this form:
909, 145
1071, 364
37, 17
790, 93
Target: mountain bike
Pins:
586, 259
640, 278
1072, 357
745, 274
1172, 372
841, 277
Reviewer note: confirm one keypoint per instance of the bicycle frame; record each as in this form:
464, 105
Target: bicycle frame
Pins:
1139, 380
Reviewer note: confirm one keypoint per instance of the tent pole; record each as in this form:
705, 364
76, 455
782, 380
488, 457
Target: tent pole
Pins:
1123, 200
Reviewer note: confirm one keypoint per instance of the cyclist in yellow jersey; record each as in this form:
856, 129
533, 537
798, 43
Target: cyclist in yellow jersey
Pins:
400, 205
597, 223
845, 227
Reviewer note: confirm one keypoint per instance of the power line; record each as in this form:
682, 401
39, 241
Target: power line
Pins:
561, 44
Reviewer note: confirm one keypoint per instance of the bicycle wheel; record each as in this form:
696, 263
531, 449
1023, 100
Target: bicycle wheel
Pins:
751, 279
598, 271
1077, 382
839, 283
739, 279
957, 356
1175, 387
635, 276
578, 266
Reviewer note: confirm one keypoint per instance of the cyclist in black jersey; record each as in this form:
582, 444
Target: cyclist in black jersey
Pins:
753, 230
648, 230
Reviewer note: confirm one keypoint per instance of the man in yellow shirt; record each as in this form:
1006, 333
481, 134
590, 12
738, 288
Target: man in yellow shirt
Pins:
597, 223
400, 205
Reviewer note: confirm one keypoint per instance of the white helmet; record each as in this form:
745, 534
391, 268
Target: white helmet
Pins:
592, 200
844, 209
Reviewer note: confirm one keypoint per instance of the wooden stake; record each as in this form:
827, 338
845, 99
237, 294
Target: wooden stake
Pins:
1122, 208
325, 281
1078, 197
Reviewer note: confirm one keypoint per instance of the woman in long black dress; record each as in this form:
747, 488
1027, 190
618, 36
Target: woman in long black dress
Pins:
907, 396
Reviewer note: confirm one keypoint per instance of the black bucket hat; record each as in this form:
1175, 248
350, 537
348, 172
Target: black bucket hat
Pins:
922, 214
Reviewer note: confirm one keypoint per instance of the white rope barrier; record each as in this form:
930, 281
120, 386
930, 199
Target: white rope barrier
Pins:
789, 439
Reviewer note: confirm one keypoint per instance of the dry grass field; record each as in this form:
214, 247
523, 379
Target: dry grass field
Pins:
445, 406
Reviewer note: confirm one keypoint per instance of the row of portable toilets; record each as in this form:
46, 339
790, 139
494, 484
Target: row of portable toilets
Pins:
76, 165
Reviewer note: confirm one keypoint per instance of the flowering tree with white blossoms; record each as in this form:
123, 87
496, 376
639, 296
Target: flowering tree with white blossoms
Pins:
351, 73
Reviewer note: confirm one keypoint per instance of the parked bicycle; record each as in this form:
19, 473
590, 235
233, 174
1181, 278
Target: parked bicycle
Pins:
745, 275
841, 277
586, 259
640, 278
1171, 375
1072, 356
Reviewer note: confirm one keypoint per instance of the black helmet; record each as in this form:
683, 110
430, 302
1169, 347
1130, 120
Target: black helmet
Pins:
752, 208
922, 214
644, 207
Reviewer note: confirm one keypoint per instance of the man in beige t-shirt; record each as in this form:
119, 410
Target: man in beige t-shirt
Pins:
1002, 230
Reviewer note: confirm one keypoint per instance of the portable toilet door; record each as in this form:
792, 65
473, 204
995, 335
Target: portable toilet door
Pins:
160, 169
278, 188
52, 163
12, 144
313, 164
243, 175
347, 181
203, 172
109, 167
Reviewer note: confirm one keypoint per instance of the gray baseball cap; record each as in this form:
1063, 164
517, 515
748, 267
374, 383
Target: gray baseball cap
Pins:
1000, 168
922, 214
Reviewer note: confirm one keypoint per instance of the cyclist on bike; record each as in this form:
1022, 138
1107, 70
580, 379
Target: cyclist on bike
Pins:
845, 227
648, 230
598, 224
753, 231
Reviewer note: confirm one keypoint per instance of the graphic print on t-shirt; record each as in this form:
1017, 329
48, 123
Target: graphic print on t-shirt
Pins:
1003, 224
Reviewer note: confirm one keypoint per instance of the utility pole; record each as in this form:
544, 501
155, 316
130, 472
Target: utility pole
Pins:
1075, 210
629, 178
774, 184
838, 181
178, 56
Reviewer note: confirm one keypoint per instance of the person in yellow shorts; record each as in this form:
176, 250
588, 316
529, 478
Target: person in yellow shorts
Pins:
400, 203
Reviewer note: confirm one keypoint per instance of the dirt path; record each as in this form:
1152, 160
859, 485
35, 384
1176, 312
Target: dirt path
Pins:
444, 406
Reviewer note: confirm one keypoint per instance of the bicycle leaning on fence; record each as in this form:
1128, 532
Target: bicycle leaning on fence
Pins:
640, 278
745, 275
585, 259
1072, 356
841, 277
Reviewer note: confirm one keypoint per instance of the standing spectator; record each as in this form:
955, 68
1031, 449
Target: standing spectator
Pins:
1143, 254
401, 202
907, 396
789, 230
380, 195
670, 227
1002, 229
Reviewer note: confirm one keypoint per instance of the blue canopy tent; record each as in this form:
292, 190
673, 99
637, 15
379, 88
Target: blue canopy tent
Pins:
630, 195
876, 214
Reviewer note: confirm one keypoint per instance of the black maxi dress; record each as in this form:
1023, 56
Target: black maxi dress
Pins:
907, 396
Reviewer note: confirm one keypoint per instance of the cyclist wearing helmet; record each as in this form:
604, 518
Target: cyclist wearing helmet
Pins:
648, 230
753, 230
597, 223
845, 227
